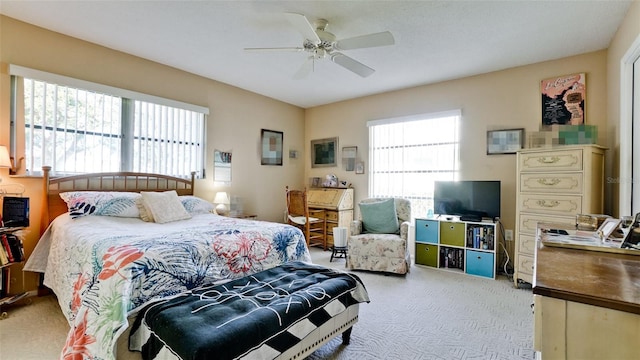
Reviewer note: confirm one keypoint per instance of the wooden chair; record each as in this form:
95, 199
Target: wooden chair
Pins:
311, 222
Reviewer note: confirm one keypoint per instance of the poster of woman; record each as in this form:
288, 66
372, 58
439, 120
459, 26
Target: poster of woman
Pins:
563, 100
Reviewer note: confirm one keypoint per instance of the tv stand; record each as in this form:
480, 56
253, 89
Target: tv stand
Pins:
464, 246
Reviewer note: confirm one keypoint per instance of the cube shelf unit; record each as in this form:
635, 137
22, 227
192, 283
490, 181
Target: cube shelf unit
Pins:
463, 246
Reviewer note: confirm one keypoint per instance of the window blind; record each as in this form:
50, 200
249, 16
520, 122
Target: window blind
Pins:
406, 156
77, 130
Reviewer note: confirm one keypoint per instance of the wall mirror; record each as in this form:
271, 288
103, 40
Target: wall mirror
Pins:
222, 166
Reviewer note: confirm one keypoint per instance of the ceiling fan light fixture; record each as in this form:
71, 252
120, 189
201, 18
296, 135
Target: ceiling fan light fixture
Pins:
321, 44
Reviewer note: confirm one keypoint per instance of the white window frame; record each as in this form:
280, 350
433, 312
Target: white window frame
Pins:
128, 98
420, 202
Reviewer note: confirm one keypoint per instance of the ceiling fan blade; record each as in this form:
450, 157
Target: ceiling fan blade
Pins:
351, 64
305, 69
275, 49
366, 41
303, 25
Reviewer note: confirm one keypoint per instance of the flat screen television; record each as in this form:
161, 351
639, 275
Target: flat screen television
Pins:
471, 200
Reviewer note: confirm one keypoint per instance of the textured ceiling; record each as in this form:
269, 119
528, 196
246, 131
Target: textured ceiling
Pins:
434, 40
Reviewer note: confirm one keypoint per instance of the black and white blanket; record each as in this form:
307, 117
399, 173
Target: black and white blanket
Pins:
268, 312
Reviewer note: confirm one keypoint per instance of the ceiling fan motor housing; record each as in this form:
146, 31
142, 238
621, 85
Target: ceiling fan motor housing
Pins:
327, 40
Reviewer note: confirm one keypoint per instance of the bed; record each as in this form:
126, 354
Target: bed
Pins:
104, 265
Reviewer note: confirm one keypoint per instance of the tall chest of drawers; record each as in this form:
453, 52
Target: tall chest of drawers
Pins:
554, 185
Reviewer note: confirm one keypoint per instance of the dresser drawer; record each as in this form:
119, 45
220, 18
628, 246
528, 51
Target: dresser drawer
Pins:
551, 183
565, 160
331, 215
526, 244
554, 204
525, 264
529, 222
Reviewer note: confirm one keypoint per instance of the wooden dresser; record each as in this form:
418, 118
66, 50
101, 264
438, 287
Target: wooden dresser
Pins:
587, 304
338, 206
554, 185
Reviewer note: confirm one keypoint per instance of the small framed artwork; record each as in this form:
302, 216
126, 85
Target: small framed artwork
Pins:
360, 168
349, 154
504, 141
609, 225
222, 166
271, 142
323, 152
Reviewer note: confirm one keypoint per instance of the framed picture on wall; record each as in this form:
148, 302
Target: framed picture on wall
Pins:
324, 152
271, 142
349, 154
504, 141
563, 100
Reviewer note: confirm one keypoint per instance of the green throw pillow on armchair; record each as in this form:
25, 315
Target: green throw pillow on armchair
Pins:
379, 217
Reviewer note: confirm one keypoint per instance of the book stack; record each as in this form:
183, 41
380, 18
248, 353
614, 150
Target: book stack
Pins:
452, 258
11, 249
480, 237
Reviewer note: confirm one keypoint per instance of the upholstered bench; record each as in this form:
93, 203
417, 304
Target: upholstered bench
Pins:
286, 312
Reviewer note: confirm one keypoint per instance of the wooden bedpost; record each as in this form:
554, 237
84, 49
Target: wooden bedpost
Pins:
44, 219
193, 181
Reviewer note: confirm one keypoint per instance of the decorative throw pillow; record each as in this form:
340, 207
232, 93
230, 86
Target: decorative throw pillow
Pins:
379, 217
145, 214
194, 205
105, 203
164, 206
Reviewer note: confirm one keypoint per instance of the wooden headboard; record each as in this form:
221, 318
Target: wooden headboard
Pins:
111, 181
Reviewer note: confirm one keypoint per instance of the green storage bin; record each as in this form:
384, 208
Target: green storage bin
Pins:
427, 254
452, 233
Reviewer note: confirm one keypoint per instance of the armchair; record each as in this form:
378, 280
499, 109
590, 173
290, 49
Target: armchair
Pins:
370, 247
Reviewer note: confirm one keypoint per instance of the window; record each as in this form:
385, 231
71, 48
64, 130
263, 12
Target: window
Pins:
406, 156
80, 127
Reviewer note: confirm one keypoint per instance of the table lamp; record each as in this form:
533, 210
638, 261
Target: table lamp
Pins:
221, 199
5, 160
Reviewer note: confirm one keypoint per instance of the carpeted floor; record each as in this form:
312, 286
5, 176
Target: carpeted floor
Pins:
427, 314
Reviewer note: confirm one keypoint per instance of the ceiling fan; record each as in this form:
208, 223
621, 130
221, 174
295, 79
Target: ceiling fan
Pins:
321, 44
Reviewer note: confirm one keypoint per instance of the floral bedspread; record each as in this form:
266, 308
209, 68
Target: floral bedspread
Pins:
103, 269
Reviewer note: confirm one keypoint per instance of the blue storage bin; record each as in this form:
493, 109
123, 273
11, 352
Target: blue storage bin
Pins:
480, 263
427, 231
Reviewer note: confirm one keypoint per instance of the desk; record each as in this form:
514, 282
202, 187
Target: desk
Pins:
337, 204
587, 303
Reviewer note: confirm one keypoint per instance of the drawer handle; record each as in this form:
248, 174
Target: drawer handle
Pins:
548, 160
451, 227
550, 204
549, 182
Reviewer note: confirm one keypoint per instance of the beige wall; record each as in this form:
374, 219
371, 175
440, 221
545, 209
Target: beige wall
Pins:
235, 120
499, 100
628, 32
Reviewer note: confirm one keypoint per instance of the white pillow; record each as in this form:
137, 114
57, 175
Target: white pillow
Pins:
195, 205
145, 214
105, 203
164, 206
